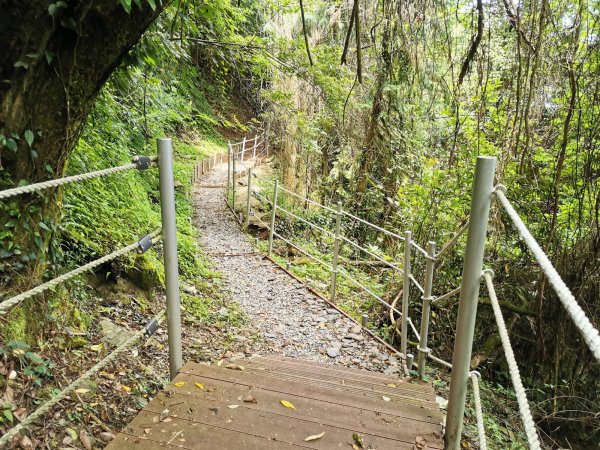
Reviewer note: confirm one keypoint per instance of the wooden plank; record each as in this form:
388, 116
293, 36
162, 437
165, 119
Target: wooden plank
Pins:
401, 393
319, 411
419, 386
184, 416
128, 441
183, 433
392, 407
358, 380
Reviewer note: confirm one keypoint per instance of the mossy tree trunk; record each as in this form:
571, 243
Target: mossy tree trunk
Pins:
55, 58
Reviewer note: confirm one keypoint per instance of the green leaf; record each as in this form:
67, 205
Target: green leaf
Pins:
152, 4
44, 226
8, 415
22, 64
126, 5
11, 144
29, 137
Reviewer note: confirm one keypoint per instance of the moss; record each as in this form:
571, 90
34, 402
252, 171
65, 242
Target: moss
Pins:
147, 273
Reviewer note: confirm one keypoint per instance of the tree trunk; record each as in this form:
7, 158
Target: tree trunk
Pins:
54, 60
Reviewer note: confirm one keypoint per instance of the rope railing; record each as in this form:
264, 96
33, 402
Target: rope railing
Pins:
140, 245
513, 368
372, 225
475, 376
590, 334
453, 240
140, 163
46, 407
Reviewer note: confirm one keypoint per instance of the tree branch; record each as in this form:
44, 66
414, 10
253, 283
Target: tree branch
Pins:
474, 44
305, 34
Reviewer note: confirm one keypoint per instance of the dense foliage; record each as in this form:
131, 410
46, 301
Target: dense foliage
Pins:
394, 133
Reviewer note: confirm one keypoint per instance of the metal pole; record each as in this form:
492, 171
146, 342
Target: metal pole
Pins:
483, 185
243, 148
233, 183
405, 291
249, 195
273, 212
254, 148
423, 350
169, 232
336, 251
228, 169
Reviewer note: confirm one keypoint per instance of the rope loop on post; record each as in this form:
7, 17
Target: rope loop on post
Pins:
475, 377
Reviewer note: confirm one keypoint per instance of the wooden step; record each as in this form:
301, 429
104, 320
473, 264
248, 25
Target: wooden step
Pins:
204, 408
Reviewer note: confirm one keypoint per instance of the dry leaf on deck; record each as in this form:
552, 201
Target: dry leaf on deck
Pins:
385, 399
180, 383
420, 442
199, 385
250, 399
163, 415
233, 406
234, 367
287, 404
314, 437
85, 440
392, 385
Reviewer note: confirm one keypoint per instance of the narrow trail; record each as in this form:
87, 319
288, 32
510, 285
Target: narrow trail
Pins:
290, 320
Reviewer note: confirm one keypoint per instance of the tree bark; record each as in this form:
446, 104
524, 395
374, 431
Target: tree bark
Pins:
54, 60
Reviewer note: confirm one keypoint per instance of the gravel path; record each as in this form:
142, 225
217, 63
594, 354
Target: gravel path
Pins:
290, 320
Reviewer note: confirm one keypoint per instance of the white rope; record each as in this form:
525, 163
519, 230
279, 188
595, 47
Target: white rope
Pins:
478, 412
300, 249
589, 333
378, 228
373, 255
6, 305
39, 413
60, 181
515, 376
312, 202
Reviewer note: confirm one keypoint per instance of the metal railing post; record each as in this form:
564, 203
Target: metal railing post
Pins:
228, 169
249, 196
243, 149
233, 182
483, 186
405, 291
273, 213
254, 148
169, 232
426, 308
336, 251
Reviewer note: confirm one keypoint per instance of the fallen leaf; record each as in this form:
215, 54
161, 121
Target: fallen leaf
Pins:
233, 406
358, 440
234, 367
82, 391
420, 442
385, 399
180, 383
85, 440
250, 399
199, 385
108, 376
97, 347
26, 443
392, 385
287, 404
220, 363
163, 415
72, 433
125, 388
314, 437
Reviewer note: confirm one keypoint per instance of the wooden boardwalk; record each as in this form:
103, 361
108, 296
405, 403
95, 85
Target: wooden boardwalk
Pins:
210, 407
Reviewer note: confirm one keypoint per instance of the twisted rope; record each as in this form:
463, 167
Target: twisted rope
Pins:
6, 305
589, 333
478, 412
513, 369
60, 181
38, 413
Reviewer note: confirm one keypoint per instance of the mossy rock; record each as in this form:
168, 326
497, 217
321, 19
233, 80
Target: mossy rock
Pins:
146, 274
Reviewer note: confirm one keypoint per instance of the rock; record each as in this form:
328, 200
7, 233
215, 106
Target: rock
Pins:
190, 290
113, 333
333, 352
441, 401
356, 337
